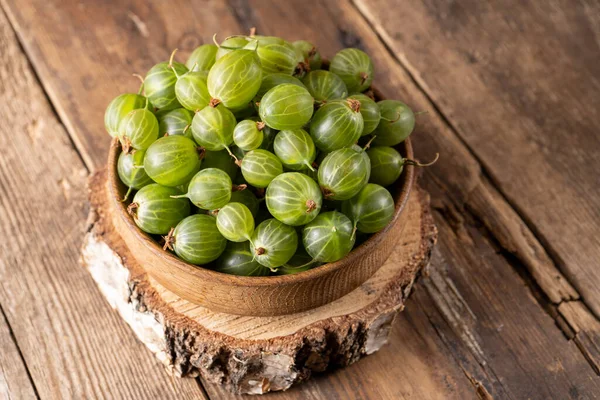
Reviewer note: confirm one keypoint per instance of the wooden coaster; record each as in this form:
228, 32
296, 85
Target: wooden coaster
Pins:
255, 354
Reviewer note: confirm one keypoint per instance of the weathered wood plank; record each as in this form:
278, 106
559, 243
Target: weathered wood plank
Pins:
74, 345
15, 382
517, 359
519, 83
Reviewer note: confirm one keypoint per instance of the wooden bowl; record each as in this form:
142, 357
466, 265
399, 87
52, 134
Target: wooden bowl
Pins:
258, 296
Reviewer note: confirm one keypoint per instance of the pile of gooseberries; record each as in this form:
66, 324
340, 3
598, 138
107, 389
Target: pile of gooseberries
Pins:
257, 157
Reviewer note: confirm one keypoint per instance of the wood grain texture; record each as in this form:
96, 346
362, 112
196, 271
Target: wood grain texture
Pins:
249, 354
463, 193
536, 132
15, 382
73, 344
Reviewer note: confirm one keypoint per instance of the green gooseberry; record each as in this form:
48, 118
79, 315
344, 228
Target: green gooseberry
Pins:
325, 86
155, 211
202, 58
172, 160
310, 54
119, 107
259, 167
329, 237
238, 259
248, 134
371, 209
235, 78
369, 111
191, 91
397, 123
295, 149
235, 222
337, 124
138, 130
273, 243
175, 122
221, 160
196, 239
213, 127
247, 198
386, 165
230, 44
286, 106
344, 172
355, 68
276, 55
130, 168
209, 189
160, 81
293, 198
272, 80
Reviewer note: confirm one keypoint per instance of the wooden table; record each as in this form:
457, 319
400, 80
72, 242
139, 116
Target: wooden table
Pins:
510, 308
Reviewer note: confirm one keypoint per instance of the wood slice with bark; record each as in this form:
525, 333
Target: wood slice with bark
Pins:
248, 354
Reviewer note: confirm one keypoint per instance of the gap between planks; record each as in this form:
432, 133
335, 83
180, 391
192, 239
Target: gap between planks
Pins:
9, 343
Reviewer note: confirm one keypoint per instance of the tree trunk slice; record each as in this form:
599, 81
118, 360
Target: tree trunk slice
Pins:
255, 354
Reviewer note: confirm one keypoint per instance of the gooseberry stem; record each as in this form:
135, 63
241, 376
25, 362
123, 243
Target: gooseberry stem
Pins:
126, 144
201, 151
141, 90
416, 163
311, 205
238, 188
368, 145
354, 105
237, 161
132, 209
171, 59
309, 166
124, 199
169, 240
363, 76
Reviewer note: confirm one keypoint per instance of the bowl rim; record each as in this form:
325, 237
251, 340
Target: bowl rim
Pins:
209, 275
